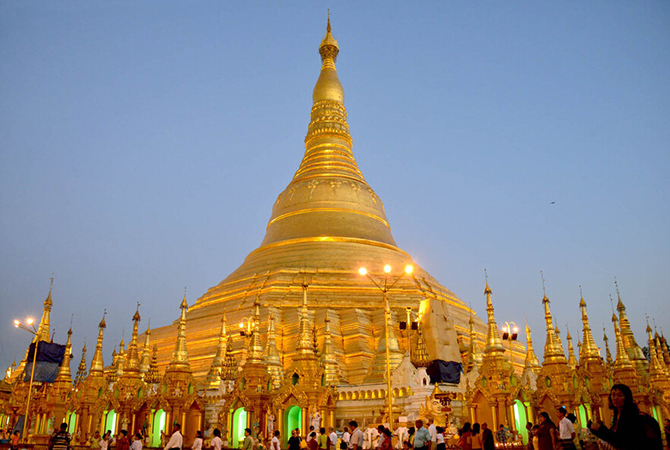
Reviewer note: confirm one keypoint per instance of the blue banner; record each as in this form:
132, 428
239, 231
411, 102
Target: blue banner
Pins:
49, 358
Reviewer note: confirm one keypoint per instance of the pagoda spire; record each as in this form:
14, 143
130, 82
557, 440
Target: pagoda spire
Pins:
97, 365
553, 350
659, 353
132, 367
666, 351
214, 375
229, 369
64, 375
255, 353
328, 188
305, 343
43, 330
474, 355
328, 359
145, 359
494, 346
531, 362
657, 374
121, 357
624, 370
608, 354
153, 376
572, 360
634, 351
272, 359
81, 370
588, 351
179, 360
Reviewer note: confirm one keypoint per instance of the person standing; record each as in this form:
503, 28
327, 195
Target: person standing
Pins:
440, 444
176, 440
666, 429
356, 439
566, 431
60, 440
137, 442
216, 443
465, 442
546, 434
631, 429
346, 436
122, 442
322, 439
274, 444
476, 438
248, 443
197, 442
529, 431
95, 441
421, 437
432, 429
386, 439
333, 439
488, 443
312, 442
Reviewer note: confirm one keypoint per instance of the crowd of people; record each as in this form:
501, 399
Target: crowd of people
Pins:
630, 429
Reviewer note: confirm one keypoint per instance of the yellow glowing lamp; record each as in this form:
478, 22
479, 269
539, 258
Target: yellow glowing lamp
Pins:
409, 269
16, 323
29, 320
387, 269
516, 330
363, 271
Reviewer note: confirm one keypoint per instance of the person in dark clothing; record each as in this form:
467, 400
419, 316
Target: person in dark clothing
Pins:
631, 429
488, 443
60, 440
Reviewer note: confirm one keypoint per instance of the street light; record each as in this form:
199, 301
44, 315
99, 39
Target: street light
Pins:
32, 330
510, 333
385, 287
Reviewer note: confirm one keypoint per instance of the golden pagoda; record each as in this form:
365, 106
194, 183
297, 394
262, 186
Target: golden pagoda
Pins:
326, 224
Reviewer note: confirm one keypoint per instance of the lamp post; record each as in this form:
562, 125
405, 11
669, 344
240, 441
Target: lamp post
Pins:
385, 287
32, 330
510, 333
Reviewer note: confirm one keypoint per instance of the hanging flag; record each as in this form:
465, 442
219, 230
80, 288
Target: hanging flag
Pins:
49, 358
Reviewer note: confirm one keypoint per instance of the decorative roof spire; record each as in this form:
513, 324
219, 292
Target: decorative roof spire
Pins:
272, 359
145, 360
328, 358
179, 360
153, 376
132, 366
255, 353
494, 344
97, 365
43, 330
666, 352
635, 353
608, 354
81, 370
214, 375
64, 374
622, 360
553, 351
305, 344
120, 363
229, 369
588, 351
659, 351
656, 372
531, 362
474, 355
572, 360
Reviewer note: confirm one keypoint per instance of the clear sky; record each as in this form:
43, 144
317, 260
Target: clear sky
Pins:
142, 145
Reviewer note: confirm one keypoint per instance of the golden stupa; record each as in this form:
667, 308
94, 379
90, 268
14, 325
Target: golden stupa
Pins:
324, 226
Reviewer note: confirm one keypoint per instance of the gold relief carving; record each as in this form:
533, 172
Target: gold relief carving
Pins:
290, 191
335, 184
373, 195
311, 186
357, 189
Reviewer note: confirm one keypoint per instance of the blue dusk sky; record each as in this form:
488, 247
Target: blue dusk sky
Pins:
143, 144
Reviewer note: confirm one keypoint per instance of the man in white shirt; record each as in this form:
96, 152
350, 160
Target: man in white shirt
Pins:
432, 429
333, 438
566, 432
274, 445
356, 440
176, 440
346, 436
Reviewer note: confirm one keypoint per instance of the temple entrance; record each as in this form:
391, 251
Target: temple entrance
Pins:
520, 419
582, 413
482, 410
293, 420
239, 424
110, 422
157, 428
71, 421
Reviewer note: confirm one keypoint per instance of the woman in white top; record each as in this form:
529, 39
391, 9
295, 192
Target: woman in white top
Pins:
197, 443
137, 442
217, 443
104, 442
274, 444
